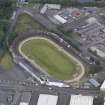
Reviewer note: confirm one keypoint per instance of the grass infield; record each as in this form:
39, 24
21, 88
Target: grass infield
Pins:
50, 58
7, 62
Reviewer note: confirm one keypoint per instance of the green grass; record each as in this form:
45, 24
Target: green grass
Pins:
57, 63
30, 5
26, 23
6, 62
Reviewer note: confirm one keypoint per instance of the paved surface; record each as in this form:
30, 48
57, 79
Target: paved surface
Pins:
16, 88
15, 74
24, 85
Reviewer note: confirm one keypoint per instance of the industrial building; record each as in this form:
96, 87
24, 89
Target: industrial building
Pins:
81, 100
25, 98
68, 15
99, 52
102, 88
23, 1
60, 19
50, 6
85, 1
45, 99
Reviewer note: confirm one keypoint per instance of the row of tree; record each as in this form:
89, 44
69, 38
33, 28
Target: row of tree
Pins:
6, 6
70, 2
6, 10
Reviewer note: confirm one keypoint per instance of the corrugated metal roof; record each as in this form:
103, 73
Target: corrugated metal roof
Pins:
94, 82
45, 99
81, 100
60, 19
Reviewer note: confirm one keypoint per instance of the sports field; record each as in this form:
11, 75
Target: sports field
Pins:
49, 57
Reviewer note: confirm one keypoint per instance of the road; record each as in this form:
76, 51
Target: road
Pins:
18, 87
24, 85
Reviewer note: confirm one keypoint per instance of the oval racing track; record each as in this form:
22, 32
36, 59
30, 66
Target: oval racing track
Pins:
60, 49
34, 70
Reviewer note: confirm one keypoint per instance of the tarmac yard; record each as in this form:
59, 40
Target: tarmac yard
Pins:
50, 57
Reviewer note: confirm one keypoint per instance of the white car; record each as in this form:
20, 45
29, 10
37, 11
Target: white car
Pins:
61, 40
68, 46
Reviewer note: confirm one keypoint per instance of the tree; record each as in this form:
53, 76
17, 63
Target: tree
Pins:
98, 101
6, 8
95, 69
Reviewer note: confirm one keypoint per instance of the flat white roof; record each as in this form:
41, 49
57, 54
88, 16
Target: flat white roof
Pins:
23, 103
59, 84
104, 101
81, 100
99, 52
43, 10
60, 19
45, 99
1, 104
103, 86
91, 20
53, 6
49, 6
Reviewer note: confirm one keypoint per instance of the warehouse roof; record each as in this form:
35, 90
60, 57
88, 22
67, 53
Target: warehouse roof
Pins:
84, 1
60, 19
49, 6
45, 99
102, 86
99, 52
81, 100
24, 103
25, 98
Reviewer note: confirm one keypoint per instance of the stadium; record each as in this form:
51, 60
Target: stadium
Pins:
47, 55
